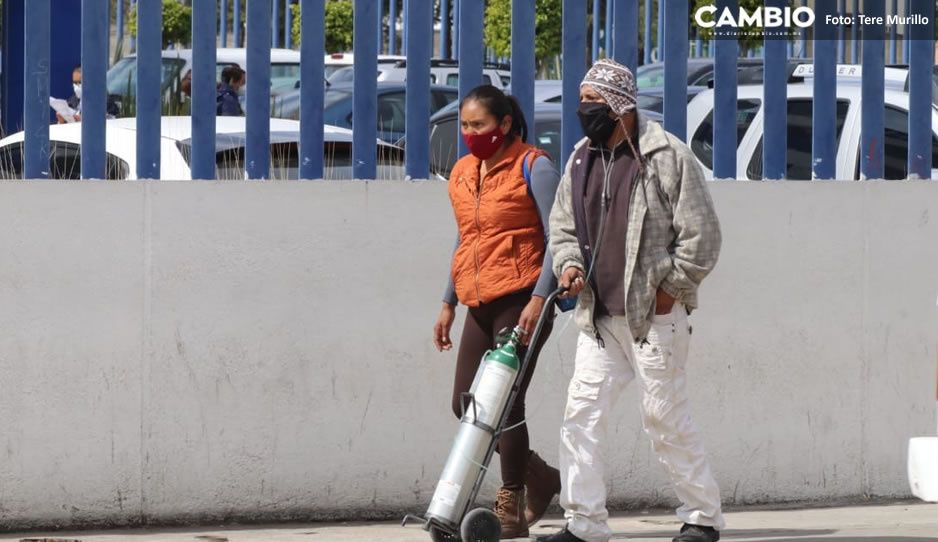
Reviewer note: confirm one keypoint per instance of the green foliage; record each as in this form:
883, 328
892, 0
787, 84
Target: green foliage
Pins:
177, 23
746, 42
548, 24
339, 22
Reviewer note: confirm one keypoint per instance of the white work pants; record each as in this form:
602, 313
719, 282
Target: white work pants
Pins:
599, 377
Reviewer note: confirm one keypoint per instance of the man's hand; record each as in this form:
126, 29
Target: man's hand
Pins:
529, 316
572, 279
441, 330
663, 302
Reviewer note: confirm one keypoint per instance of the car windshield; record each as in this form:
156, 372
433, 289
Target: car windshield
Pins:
650, 76
284, 75
122, 77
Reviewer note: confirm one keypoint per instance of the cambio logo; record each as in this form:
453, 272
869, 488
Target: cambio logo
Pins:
770, 17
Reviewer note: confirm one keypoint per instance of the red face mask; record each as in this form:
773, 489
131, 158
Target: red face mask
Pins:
484, 146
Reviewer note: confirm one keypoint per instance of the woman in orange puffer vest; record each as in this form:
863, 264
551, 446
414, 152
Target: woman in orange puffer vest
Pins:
502, 272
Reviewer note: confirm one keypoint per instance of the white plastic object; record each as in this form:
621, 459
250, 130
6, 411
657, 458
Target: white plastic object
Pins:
923, 468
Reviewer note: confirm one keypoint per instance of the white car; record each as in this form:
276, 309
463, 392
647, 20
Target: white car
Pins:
336, 61
284, 68
750, 121
176, 149
446, 72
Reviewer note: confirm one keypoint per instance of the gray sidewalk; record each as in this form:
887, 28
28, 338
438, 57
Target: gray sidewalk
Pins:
904, 522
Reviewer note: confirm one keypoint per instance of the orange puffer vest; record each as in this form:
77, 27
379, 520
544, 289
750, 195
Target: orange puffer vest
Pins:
501, 239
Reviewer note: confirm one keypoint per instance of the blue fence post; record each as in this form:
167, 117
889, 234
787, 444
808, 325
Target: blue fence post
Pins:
906, 46
312, 70
855, 35
444, 29
94, 62
873, 110
203, 89
893, 30
365, 95
236, 23
804, 34
675, 68
595, 28
275, 24
36, 92
698, 46
380, 26
419, 15
471, 17
522, 58
625, 43
257, 123
573, 71
456, 10
392, 28
724, 102
149, 46
223, 23
824, 108
607, 36
288, 25
775, 90
120, 25
841, 48
404, 26
921, 60
646, 54
661, 44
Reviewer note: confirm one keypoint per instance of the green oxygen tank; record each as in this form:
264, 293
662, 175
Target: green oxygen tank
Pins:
490, 392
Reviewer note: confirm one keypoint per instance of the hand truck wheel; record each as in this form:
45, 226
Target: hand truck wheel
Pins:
480, 525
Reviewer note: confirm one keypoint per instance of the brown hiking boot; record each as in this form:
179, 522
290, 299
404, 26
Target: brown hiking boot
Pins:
543, 482
509, 507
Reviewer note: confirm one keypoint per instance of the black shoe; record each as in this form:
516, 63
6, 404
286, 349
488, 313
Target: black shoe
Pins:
697, 533
563, 536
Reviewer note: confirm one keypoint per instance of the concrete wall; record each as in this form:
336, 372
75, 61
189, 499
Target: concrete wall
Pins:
176, 351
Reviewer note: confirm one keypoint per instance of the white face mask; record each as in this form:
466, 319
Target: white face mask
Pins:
77, 89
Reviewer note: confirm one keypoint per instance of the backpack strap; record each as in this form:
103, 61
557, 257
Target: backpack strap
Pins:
527, 164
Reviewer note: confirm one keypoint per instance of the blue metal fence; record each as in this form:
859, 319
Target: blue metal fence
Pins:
599, 28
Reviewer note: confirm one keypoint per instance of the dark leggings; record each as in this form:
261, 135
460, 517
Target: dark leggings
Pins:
482, 325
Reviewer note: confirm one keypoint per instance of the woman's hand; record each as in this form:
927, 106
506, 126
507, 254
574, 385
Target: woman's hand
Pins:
529, 316
572, 279
443, 325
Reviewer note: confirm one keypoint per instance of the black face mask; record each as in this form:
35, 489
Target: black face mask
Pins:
595, 120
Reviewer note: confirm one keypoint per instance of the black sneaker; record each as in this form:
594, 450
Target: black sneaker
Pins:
697, 533
563, 536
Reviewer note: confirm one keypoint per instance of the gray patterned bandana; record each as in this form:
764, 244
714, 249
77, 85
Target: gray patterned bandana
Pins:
615, 83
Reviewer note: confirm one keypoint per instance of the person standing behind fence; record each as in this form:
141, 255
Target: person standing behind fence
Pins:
633, 231
233, 79
502, 272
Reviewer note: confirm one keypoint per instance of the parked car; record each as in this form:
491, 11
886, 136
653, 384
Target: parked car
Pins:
445, 134
545, 90
750, 123
284, 69
446, 72
699, 72
336, 61
176, 151
391, 106
653, 99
